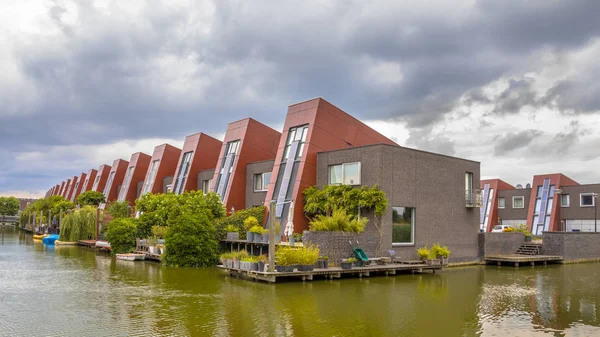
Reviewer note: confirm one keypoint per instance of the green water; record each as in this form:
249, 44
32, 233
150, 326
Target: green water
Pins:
74, 291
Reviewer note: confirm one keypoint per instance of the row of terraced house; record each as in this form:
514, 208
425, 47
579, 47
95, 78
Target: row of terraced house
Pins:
440, 196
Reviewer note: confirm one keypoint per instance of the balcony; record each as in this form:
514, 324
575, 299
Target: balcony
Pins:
473, 198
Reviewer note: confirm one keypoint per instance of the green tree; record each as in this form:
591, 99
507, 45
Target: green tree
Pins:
9, 206
64, 206
79, 224
118, 209
91, 198
121, 234
190, 240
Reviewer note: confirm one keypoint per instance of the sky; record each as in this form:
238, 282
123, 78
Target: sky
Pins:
511, 84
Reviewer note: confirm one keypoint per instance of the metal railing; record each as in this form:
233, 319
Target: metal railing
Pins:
473, 198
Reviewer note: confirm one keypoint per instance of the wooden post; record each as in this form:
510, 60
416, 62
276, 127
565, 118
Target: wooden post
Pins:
33, 225
60, 219
97, 223
49, 219
42, 220
272, 236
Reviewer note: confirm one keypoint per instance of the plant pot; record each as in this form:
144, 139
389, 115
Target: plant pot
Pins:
232, 236
261, 266
325, 264
249, 236
444, 261
236, 264
291, 241
320, 264
254, 266
346, 265
280, 269
257, 238
265, 238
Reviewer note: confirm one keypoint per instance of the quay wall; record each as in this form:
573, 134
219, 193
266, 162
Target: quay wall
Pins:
499, 243
572, 246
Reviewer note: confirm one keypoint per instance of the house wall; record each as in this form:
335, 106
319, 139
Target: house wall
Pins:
89, 180
166, 181
204, 175
168, 157
66, 189
254, 198
258, 142
329, 128
434, 184
510, 215
140, 162
103, 172
78, 186
559, 181
119, 167
204, 157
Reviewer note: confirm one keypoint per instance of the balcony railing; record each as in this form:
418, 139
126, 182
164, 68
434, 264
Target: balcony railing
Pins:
473, 198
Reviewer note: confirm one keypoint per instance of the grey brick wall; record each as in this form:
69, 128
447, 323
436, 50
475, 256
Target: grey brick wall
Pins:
339, 245
256, 198
572, 246
499, 243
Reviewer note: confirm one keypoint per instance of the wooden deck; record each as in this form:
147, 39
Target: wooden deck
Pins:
333, 272
516, 259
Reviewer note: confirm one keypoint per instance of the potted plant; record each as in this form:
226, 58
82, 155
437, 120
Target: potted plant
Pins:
159, 233
262, 261
227, 260
256, 231
237, 257
152, 242
297, 237
440, 252
265, 235
423, 253
249, 263
432, 259
323, 262
291, 240
248, 224
232, 233
522, 228
347, 263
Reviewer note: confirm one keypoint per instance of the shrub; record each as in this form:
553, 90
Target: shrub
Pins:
237, 220
339, 221
351, 260
231, 229
190, 240
90, 198
159, 231
80, 224
423, 252
250, 259
118, 209
256, 229
121, 235
250, 222
522, 228
287, 256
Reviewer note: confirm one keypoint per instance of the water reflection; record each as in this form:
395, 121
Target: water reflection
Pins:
77, 291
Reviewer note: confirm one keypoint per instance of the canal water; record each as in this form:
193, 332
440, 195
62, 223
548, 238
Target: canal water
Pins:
74, 291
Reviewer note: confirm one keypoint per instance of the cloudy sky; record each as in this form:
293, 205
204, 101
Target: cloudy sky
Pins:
512, 84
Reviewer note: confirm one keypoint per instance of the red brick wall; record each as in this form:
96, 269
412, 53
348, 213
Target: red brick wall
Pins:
119, 167
140, 162
103, 171
169, 156
204, 157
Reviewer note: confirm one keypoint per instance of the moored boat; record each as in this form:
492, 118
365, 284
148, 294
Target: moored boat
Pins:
64, 243
50, 239
131, 257
39, 236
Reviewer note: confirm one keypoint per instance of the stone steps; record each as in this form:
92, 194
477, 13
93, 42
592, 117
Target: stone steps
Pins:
529, 249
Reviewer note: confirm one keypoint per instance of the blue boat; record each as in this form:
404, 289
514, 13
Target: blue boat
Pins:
49, 240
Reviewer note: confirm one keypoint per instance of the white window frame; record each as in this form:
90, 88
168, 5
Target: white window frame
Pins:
206, 183
568, 204
518, 197
262, 175
581, 199
343, 174
503, 206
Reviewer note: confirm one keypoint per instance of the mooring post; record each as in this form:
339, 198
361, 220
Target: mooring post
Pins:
97, 223
60, 219
271, 236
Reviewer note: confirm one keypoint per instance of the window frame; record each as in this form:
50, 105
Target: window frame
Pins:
265, 187
413, 226
344, 174
522, 201
206, 183
504, 205
568, 204
591, 194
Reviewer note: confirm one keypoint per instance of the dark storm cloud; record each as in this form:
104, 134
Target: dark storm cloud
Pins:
168, 71
512, 141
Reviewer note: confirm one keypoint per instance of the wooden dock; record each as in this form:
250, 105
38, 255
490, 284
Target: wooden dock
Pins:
517, 259
333, 272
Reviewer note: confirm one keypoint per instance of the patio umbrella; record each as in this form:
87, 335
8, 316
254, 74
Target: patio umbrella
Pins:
289, 227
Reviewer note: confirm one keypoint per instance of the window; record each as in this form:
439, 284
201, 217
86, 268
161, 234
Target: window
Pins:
586, 200
346, 174
227, 163
261, 181
111, 177
232, 147
206, 185
182, 172
501, 202
470, 193
543, 207
126, 181
298, 134
150, 178
85, 183
96, 182
565, 200
403, 226
518, 202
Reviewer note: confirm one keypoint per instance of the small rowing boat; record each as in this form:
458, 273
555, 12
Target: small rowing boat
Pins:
131, 257
64, 243
39, 236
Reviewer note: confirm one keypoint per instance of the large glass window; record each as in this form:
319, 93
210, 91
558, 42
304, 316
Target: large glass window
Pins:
347, 174
586, 200
298, 133
151, 176
126, 181
470, 192
261, 181
543, 207
518, 202
403, 225
501, 202
108, 185
565, 200
96, 182
182, 172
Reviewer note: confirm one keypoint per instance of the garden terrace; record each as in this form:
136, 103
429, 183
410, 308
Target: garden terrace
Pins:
333, 272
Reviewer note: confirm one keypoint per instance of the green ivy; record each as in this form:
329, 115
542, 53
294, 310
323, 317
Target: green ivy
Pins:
348, 198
